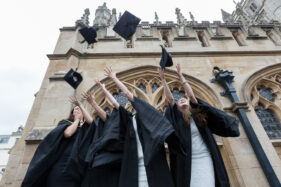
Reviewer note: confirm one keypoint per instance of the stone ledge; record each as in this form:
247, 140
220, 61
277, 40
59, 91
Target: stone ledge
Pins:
71, 28
57, 76
256, 37
156, 54
221, 38
148, 38
108, 39
37, 135
185, 38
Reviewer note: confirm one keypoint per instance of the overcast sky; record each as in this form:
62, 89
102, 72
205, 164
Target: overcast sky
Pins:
30, 29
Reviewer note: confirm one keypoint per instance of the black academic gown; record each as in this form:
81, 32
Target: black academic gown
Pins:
153, 130
219, 123
105, 153
48, 157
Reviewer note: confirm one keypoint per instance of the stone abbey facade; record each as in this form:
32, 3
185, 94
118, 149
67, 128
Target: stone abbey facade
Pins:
254, 58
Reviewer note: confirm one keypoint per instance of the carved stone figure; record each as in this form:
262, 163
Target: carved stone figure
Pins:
84, 20
226, 17
156, 18
112, 22
102, 16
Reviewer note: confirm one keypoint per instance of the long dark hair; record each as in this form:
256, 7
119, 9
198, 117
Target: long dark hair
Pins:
200, 116
71, 116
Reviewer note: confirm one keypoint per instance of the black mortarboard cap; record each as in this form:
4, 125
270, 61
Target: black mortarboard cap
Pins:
89, 34
127, 25
166, 59
73, 78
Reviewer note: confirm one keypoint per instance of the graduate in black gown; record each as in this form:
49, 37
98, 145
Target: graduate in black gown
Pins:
104, 155
58, 160
144, 158
194, 122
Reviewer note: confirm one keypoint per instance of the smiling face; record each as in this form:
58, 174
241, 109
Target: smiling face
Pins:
183, 104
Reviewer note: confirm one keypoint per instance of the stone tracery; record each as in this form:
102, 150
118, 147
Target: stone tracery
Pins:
145, 83
265, 97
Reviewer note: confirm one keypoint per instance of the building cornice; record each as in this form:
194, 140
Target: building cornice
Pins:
73, 52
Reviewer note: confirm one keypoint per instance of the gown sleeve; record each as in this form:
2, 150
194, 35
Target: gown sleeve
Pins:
218, 121
174, 143
154, 126
108, 148
46, 154
76, 165
89, 156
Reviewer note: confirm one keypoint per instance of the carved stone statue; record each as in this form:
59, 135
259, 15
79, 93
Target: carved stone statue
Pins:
156, 18
102, 16
191, 17
112, 22
226, 17
180, 17
181, 22
84, 20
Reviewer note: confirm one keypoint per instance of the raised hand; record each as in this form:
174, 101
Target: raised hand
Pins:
97, 81
178, 69
89, 97
109, 73
161, 73
74, 101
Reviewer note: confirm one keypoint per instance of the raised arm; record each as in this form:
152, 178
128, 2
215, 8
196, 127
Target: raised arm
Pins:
88, 118
71, 129
186, 86
109, 73
167, 91
91, 99
108, 95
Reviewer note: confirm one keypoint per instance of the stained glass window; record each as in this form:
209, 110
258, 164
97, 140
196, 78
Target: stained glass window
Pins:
142, 87
267, 93
269, 121
121, 98
107, 110
177, 94
154, 87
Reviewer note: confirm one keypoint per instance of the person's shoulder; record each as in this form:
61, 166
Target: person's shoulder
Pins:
64, 121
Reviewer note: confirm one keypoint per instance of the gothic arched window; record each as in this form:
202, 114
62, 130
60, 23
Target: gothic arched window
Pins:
154, 87
270, 121
177, 94
142, 87
267, 93
121, 98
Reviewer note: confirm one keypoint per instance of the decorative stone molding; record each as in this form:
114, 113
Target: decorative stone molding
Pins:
144, 82
263, 91
158, 54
